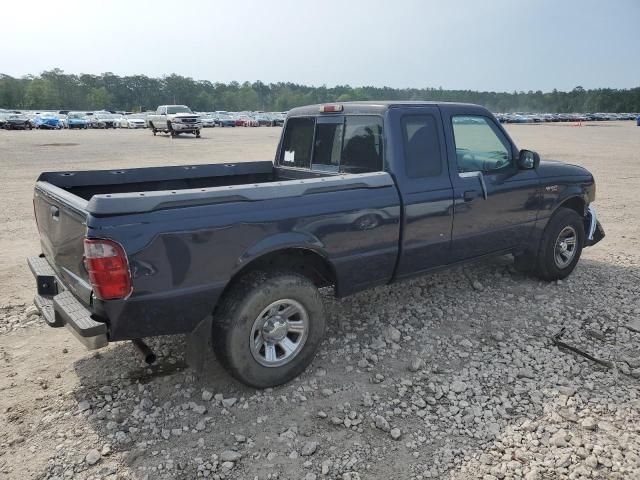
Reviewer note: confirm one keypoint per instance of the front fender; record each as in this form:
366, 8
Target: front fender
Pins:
560, 194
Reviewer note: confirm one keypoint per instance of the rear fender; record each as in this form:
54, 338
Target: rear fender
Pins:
281, 241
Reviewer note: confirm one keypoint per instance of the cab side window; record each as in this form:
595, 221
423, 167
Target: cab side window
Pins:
480, 146
421, 146
362, 145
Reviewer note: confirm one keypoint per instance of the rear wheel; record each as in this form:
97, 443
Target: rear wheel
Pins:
268, 328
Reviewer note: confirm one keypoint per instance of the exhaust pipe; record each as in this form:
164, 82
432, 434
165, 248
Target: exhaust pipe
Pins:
145, 351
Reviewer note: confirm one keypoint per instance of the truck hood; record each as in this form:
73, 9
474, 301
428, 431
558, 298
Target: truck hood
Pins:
555, 168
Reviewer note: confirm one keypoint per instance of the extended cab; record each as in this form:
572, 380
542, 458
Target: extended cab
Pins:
359, 195
175, 119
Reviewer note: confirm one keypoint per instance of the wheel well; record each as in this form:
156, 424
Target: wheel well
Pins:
574, 203
299, 260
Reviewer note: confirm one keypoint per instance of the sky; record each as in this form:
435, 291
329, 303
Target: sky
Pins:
494, 45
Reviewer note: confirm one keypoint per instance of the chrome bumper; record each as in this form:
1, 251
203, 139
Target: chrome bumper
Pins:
593, 229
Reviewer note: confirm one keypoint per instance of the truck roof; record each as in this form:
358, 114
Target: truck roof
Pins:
373, 106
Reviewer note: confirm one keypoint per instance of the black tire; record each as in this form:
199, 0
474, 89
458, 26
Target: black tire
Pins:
197, 133
547, 267
234, 320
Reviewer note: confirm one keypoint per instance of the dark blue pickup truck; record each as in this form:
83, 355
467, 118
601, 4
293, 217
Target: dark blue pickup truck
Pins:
359, 195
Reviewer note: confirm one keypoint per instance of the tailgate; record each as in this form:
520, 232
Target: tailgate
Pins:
61, 220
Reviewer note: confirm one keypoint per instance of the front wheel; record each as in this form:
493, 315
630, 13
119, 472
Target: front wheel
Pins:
268, 328
560, 246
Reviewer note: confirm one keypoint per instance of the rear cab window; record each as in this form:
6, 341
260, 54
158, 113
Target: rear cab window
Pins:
335, 144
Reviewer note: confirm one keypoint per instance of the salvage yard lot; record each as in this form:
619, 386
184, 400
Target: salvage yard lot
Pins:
467, 382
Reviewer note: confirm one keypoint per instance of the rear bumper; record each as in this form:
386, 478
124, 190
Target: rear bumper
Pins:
59, 307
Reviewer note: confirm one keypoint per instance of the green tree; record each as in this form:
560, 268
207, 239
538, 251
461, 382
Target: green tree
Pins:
98, 98
55, 89
41, 93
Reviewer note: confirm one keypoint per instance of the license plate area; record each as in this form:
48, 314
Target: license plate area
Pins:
47, 285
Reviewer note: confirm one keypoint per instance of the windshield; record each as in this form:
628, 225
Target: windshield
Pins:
76, 115
178, 109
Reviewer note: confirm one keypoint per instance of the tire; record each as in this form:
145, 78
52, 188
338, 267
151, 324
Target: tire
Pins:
197, 133
551, 264
242, 318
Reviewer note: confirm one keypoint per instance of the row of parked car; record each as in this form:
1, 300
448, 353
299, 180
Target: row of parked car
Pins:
27, 120
562, 117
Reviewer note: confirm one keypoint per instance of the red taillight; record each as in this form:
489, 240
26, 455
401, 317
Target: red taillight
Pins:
331, 108
108, 269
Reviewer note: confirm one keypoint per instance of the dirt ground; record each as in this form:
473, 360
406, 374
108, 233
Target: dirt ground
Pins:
460, 347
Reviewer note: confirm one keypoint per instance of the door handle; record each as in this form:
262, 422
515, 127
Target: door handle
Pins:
55, 213
470, 195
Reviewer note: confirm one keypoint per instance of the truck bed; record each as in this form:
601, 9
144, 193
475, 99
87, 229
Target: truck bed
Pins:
138, 190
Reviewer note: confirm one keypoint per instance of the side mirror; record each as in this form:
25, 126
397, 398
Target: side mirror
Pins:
528, 160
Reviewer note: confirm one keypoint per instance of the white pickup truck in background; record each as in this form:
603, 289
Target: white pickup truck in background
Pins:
175, 119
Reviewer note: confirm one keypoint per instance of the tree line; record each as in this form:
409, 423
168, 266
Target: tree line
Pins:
56, 90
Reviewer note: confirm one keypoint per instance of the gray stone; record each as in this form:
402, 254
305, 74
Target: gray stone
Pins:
201, 409
589, 423
416, 364
382, 423
229, 402
206, 395
559, 439
634, 325
458, 386
92, 457
392, 334
309, 448
230, 456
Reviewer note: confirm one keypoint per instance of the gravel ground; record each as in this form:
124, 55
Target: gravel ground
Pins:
478, 372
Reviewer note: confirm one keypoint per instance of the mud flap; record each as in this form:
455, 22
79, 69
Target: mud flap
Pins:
199, 345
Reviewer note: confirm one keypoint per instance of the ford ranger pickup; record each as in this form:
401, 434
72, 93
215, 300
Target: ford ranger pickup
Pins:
358, 195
